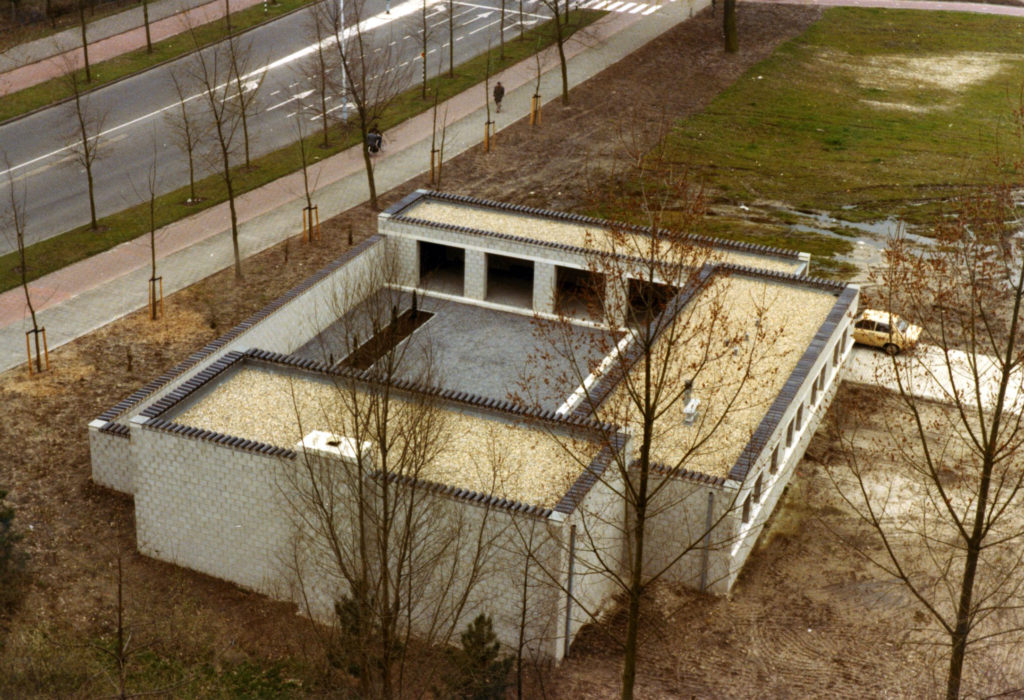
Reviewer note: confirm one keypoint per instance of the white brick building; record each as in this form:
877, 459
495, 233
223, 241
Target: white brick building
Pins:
206, 467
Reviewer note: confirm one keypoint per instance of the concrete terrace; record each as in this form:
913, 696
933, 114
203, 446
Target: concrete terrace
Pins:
474, 349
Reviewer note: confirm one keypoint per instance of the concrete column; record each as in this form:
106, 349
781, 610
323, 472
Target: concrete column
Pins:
475, 286
544, 282
616, 299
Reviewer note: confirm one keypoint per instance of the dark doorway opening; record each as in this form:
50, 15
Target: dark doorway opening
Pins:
442, 268
648, 299
510, 281
578, 293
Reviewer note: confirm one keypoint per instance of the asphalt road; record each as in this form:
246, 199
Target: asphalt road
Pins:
135, 114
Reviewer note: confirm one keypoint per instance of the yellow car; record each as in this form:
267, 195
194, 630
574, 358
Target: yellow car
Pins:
881, 329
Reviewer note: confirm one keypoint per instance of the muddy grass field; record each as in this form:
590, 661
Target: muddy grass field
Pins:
807, 618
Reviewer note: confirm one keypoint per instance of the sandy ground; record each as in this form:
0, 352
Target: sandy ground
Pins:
808, 617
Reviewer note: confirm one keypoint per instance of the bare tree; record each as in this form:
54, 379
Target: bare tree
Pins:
320, 69
451, 38
85, 139
16, 220
85, 41
213, 71
373, 77
156, 285
145, 21
501, 31
393, 565
309, 225
246, 93
670, 331
425, 35
558, 24
187, 133
949, 519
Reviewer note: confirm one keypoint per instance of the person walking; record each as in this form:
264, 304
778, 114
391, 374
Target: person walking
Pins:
499, 94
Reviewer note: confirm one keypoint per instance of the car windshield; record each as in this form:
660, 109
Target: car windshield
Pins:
902, 325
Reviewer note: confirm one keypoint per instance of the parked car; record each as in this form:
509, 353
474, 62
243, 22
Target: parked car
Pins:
881, 329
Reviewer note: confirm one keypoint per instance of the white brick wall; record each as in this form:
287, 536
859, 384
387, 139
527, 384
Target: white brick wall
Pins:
225, 512
210, 508
405, 253
111, 459
544, 279
476, 274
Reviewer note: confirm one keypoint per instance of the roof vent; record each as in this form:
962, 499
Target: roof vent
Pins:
330, 445
690, 411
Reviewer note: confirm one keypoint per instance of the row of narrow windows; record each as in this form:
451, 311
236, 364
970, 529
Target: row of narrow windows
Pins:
794, 426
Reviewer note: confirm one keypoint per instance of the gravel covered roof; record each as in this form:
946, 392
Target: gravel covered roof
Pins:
553, 231
739, 367
492, 456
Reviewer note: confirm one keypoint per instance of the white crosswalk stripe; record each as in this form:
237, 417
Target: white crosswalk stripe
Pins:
633, 8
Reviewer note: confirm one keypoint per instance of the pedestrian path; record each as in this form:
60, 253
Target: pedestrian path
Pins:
44, 59
96, 291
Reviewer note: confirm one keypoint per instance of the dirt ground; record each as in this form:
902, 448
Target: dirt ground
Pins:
808, 618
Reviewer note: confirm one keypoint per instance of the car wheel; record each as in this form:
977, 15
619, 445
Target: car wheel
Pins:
891, 349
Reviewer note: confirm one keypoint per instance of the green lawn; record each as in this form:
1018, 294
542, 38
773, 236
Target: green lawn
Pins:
63, 250
874, 112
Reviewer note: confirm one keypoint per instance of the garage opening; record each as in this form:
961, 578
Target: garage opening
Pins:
510, 281
647, 299
442, 268
578, 293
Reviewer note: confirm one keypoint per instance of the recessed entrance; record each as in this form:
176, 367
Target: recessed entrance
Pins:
510, 281
578, 293
647, 299
442, 268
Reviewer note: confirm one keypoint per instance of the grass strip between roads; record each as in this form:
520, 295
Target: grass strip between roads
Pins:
60, 251
104, 72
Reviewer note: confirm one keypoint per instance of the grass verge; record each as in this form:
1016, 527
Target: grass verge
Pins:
58, 89
60, 251
875, 112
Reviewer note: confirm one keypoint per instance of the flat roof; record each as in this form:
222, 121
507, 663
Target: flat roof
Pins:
739, 366
545, 227
506, 458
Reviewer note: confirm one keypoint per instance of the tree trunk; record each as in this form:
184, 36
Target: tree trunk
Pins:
451, 39
85, 41
145, 20
732, 42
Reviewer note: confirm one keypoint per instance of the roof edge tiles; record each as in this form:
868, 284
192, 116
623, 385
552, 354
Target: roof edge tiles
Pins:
459, 493
229, 441
395, 211
683, 473
590, 476
483, 403
770, 422
195, 358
